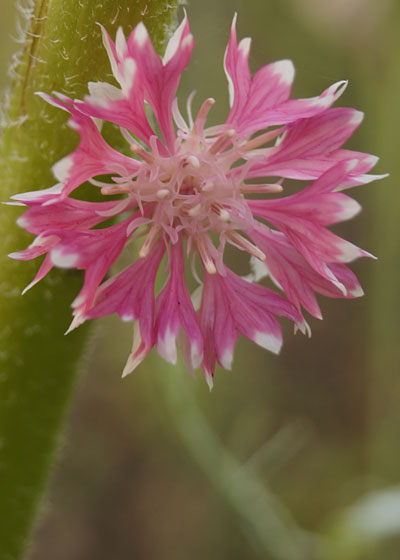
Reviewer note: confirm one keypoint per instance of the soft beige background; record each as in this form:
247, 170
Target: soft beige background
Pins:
320, 423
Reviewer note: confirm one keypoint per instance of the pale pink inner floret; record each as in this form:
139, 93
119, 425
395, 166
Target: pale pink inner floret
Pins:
195, 191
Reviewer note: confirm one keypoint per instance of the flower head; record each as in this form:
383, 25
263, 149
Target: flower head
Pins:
187, 191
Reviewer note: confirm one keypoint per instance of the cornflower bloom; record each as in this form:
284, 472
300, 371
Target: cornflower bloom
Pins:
192, 190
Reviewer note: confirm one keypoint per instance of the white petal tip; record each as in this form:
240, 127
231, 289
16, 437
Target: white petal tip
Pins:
62, 259
134, 360
196, 356
268, 341
285, 70
304, 327
127, 318
61, 169
28, 287
140, 34
209, 379
227, 359
76, 322
372, 160
188, 41
244, 46
356, 118
12, 203
22, 222
125, 372
350, 209
356, 292
166, 346
16, 256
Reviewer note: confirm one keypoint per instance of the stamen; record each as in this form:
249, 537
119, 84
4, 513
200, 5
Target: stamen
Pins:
221, 141
202, 115
141, 152
150, 241
205, 256
261, 140
258, 188
243, 243
115, 189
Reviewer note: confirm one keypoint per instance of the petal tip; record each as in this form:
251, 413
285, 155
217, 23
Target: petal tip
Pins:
268, 341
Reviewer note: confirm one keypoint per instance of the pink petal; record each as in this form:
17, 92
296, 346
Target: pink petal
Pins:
296, 277
230, 305
160, 78
131, 294
93, 155
237, 72
264, 100
217, 326
93, 251
67, 213
290, 110
175, 311
310, 146
124, 106
318, 202
40, 245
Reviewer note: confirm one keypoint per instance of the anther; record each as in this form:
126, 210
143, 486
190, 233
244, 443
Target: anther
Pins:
207, 186
195, 210
194, 161
162, 194
224, 215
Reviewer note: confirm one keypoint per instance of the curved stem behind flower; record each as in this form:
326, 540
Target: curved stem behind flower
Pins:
264, 519
62, 50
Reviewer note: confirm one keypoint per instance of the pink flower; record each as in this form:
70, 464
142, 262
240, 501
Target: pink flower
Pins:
185, 188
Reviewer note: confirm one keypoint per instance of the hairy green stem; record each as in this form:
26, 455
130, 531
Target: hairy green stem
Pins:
62, 51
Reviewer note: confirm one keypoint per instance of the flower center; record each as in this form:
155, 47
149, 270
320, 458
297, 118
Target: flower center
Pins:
199, 189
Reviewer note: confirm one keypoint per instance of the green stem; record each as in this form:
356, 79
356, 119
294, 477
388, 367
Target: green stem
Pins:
266, 523
38, 365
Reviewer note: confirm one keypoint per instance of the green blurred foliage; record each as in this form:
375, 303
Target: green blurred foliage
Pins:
319, 424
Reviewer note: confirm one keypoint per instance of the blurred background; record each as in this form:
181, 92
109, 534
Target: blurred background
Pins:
154, 466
